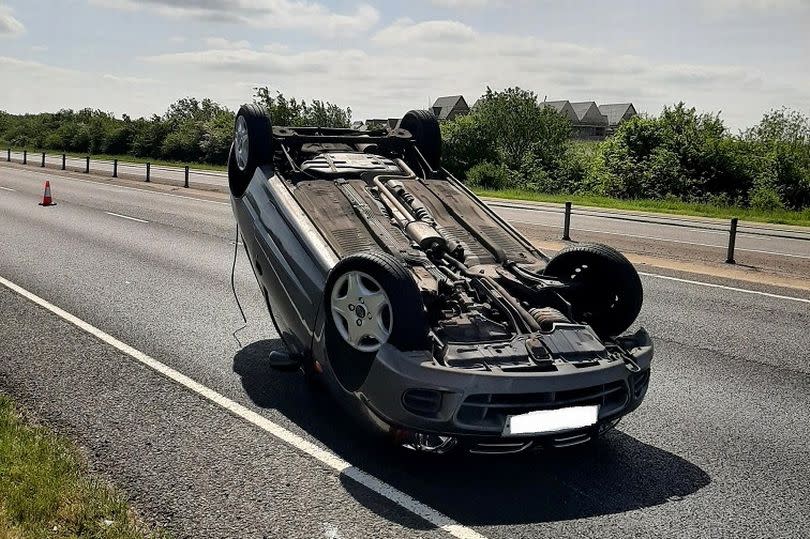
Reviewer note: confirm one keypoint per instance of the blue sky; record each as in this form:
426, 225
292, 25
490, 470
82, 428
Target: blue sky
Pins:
741, 57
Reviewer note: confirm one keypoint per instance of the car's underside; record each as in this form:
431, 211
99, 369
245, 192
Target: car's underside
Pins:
433, 312
481, 283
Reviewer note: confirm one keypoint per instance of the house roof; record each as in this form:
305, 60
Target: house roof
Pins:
446, 104
588, 113
615, 111
582, 108
562, 107
556, 105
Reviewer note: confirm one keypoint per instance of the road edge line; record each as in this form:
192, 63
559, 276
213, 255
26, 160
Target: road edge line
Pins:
324, 456
724, 287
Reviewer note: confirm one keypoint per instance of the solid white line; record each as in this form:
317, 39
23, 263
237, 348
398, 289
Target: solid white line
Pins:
6, 188
126, 217
324, 456
724, 287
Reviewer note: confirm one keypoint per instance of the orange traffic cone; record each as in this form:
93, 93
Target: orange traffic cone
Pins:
46, 198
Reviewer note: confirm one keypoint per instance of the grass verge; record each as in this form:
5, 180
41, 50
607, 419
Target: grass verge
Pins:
45, 490
785, 217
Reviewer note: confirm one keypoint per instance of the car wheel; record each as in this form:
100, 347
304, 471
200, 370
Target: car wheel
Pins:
370, 299
604, 288
252, 146
424, 127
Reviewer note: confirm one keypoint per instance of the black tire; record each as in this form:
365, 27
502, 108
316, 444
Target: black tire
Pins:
259, 147
408, 318
424, 127
605, 289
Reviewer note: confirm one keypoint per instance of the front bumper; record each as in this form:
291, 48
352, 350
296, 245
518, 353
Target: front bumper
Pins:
409, 391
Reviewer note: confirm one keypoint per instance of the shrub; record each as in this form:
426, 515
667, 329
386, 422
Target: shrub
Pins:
464, 145
488, 175
765, 199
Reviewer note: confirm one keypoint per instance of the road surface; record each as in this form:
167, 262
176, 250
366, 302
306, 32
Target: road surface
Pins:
703, 239
718, 449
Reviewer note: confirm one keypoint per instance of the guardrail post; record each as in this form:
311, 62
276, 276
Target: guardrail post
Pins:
186, 184
732, 240
25, 157
567, 225
87, 165
115, 168
43, 160
148, 171
8, 155
63, 161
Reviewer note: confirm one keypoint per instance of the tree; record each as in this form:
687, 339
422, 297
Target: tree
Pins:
781, 144
512, 130
517, 123
297, 113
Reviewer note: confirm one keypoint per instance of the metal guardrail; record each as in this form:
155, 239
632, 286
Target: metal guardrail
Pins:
665, 220
568, 211
146, 169
732, 230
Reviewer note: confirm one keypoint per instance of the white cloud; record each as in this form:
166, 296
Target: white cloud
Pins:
222, 43
34, 83
126, 80
404, 65
298, 14
462, 3
734, 7
9, 25
406, 32
408, 62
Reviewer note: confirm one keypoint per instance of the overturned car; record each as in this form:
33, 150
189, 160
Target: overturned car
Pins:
423, 310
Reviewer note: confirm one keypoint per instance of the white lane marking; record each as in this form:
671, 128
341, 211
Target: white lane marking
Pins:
126, 217
669, 240
724, 287
6, 188
324, 456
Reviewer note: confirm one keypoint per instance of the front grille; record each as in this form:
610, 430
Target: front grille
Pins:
425, 402
641, 380
490, 410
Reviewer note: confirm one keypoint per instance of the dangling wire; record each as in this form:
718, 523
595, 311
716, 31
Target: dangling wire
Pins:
233, 288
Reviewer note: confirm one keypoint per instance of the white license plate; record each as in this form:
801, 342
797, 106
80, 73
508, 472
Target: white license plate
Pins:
547, 421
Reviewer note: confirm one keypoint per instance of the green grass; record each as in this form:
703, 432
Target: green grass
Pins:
45, 490
800, 218
34, 155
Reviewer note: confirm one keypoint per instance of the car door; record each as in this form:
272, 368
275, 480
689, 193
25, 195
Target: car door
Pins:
292, 270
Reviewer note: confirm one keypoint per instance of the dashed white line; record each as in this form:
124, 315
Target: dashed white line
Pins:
724, 287
6, 188
324, 456
126, 217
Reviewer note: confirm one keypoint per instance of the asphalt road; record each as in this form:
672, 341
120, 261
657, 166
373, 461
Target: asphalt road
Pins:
718, 449
709, 237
